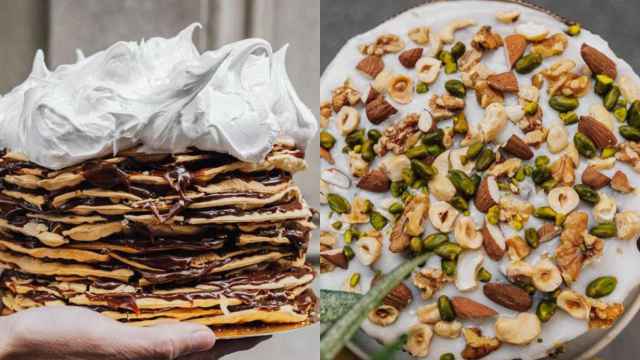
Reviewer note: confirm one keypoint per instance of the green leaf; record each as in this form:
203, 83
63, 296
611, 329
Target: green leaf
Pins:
334, 304
389, 351
335, 338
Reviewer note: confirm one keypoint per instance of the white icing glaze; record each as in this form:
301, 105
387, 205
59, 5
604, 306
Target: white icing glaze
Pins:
620, 257
161, 93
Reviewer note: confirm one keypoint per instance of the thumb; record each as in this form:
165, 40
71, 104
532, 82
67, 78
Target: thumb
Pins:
170, 341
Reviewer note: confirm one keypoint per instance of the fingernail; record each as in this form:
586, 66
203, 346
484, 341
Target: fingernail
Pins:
202, 340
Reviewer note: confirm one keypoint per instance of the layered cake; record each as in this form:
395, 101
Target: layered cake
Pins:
151, 182
505, 141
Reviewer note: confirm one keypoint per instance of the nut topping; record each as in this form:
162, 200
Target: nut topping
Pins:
478, 346
419, 35
601, 136
594, 178
521, 330
384, 44
506, 82
408, 58
515, 45
375, 181
485, 39
371, 66
427, 69
379, 110
400, 88
518, 148
509, 296
384, 315
620, 182
598, 62
468, 309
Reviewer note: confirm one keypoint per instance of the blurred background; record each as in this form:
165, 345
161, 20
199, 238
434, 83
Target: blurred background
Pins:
614, 20
59, 27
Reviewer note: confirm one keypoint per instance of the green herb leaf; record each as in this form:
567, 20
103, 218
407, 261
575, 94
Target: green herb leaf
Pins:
389, 350
335, 338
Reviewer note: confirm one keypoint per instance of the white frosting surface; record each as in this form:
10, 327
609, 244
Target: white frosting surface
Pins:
620, 257
161, 93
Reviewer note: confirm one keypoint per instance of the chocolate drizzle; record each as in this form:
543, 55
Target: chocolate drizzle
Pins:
170, 253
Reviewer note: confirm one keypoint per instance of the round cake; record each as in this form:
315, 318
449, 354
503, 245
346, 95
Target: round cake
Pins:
501, 138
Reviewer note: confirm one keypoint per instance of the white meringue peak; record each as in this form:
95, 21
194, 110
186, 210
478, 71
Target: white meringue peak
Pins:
160, 93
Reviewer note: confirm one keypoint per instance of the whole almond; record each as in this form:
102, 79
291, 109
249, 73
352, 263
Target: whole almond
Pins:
379, 110
518, 148
509, 296
598, 62
514, 46
620, 182
408, 58
468, 309
483, 199
506, 82
371, 65
375, 181
598, 132
594, 178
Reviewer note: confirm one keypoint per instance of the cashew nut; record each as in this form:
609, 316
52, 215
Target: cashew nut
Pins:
508, 17
447, 34
469, 263
441, 187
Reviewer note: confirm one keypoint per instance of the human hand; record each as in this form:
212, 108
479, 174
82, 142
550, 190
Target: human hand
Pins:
74, 333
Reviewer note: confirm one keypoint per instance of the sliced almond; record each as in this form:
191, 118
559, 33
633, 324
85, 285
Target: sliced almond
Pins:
518, 148
493, 241
599, 133
594, 178
620, 182
506, 82
487, 195
515, 46
548, 232
598, 62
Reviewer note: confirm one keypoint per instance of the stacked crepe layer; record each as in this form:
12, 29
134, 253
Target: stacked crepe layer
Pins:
197, 236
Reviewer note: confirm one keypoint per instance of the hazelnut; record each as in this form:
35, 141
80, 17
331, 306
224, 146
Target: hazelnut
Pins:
384, 315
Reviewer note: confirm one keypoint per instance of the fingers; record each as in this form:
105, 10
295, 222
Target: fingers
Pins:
170, 341
83, 334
